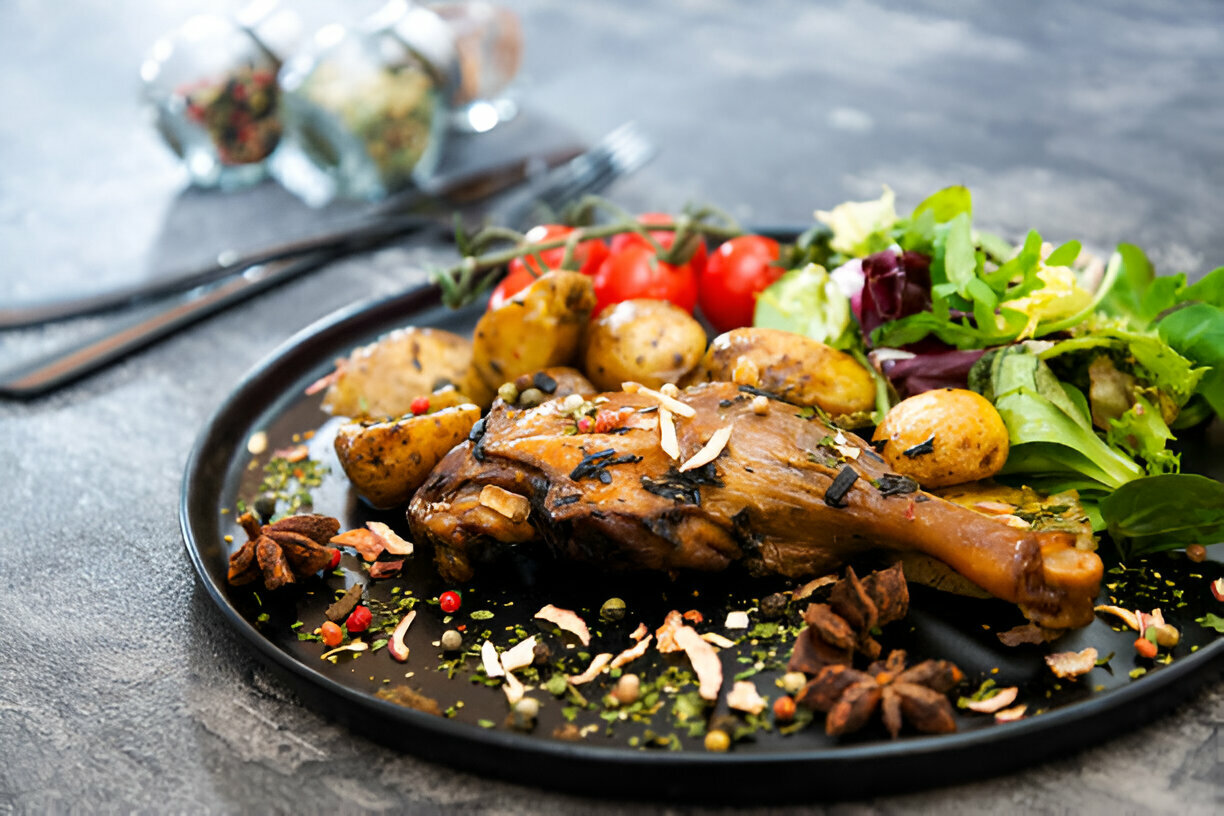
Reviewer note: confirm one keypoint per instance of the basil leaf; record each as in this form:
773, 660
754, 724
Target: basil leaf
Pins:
1164, 513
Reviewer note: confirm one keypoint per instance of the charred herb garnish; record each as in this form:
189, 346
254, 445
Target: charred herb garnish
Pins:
893, 484
683, 488
594, 465
290, 482
921, 449
845, 479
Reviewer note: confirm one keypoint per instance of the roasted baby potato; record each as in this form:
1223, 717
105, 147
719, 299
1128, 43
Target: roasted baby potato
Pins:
383, 378
798, 369
943, 437
647, 341
386, 461
541, 326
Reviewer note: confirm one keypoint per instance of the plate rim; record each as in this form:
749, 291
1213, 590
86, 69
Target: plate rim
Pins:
667, 775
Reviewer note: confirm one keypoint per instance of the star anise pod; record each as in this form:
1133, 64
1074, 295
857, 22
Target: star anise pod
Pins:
284, 551
835, 630
917, 695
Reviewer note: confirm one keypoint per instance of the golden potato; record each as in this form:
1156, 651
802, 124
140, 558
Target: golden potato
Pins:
383, 378
387, 461
539, 327
794, 367
943, 437
647, 341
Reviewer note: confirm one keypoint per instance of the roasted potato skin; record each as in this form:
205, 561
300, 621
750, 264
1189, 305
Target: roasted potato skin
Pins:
386, 461
539, 327
970, 441
651, 342
796, 368
383, 378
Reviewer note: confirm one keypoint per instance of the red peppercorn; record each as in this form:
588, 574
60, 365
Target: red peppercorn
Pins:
359, 619
784, 709
335, 560
419, 406
606, 421
1145, 648
584, 425
449, 601
331, 634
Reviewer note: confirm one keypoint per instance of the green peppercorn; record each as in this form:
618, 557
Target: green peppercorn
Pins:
508, 392
265, 506
718, 741
613, 609
793, 682
531, 398
452, 641
523, 714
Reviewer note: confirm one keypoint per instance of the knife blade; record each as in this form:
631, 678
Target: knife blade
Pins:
397, 216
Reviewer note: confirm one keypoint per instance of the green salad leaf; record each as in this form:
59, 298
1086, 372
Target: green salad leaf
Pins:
1197, 332
1164, 513
1049, 424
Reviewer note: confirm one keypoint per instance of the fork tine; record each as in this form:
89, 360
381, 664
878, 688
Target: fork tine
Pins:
622, 151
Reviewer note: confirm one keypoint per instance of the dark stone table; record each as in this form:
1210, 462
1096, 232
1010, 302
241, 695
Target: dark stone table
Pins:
122, 689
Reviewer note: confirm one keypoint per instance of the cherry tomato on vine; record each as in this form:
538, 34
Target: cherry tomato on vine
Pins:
665, 239
588, 255
734, 275
635, 272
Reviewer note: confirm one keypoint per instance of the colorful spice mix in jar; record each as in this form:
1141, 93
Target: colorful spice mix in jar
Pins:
212, 87
365, 106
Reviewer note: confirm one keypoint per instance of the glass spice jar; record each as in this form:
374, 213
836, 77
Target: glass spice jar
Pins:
212, 88
366, 106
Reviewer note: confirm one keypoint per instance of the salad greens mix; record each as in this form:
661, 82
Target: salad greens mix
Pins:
1092, 365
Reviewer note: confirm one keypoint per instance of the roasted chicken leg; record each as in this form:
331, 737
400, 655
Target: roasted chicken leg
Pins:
786, 494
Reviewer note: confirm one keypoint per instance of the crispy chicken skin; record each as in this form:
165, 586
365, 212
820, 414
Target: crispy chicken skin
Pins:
619, 501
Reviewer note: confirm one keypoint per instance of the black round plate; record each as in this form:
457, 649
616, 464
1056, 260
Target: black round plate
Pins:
803, 766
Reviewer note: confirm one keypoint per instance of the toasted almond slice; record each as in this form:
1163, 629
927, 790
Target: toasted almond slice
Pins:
391, 540
355, 646
396, 647
671, 403
667, 433
598, 664
995, 508
705, 662
632, 653
1071, 664
502, 501
666, 633
711, 449
807, 589
640, 632
492, 664
1014, 521
520, 655
736, 619
367, 543
567, 620
990, 705
513, 688
1011, 714
718, 640
1128, 617
745, 697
